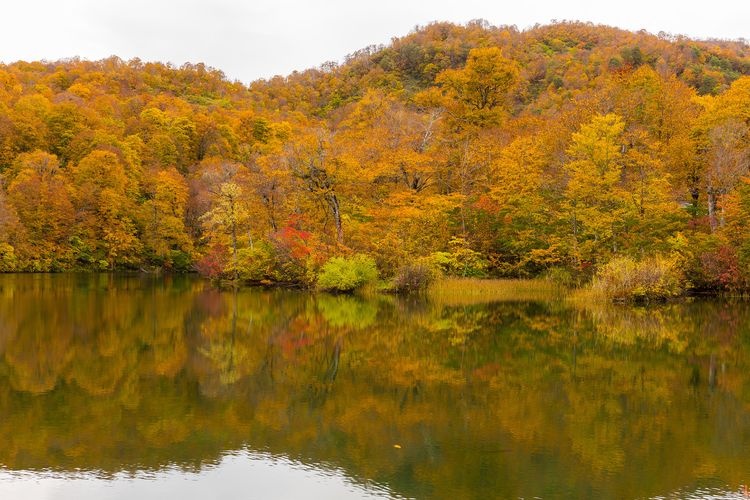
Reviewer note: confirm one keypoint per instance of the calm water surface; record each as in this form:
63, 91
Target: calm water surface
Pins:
131, 387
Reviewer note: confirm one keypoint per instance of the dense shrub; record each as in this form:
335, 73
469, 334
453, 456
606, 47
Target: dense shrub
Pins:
719, 269
8, 261
174, 261
460, 261
180, 261
266, 264
654, 278
257, 264
414, 277
346, 274
212, 264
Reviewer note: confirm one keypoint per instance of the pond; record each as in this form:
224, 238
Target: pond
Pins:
148, 387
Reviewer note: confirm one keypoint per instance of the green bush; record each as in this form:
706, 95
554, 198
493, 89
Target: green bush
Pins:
8, 262
256, 264
460, 261
346, 274
414, 277
654, 278
265, 264
181, 261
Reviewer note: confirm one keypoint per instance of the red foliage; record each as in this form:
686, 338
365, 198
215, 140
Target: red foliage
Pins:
700, 224
212, 264
487, 204
720, 269
293, 240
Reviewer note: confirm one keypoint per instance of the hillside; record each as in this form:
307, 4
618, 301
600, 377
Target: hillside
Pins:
481, 150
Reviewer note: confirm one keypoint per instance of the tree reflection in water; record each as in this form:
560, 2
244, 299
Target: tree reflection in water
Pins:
121, 374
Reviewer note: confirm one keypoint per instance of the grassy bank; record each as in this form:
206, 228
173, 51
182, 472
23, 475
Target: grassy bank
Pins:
464, 291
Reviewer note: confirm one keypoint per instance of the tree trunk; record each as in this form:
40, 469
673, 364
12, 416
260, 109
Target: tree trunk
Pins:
234, 251
712, 209
694, 194
333, 203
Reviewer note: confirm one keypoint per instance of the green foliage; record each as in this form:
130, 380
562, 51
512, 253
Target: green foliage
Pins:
346, 274
266, 264
460, 261
180, 261
652, 279
257, 264
8, 261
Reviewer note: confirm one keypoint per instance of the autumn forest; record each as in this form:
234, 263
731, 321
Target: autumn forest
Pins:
562, 151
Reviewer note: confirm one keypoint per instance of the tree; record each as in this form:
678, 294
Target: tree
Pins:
652, 213
725, 143
310, 160
163, 219
105, 210
228, 219
728, 159
594, 198
479, 92
29, 122
11, 235
39, 192
520, 209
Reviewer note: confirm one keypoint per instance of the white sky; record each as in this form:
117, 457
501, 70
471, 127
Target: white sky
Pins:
251, 39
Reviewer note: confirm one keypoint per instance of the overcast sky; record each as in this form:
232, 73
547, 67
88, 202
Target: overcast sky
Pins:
251, 39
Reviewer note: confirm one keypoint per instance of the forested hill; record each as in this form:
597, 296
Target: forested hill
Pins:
480, 150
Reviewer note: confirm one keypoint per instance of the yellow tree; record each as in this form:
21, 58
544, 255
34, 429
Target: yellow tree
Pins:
267, 173
163, 219
479, 92
652, 212
724, 129
660, 112
521, 208
29, 122
228, 219
11, 235
595, 200
391, 141
386, 149
39, 193
104, 200
476, 99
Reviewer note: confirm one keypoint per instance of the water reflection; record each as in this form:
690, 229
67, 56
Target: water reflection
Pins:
706, 494
124, 376
255, 475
